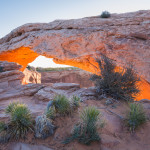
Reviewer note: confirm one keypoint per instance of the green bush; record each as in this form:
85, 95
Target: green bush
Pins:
105, 14
43, 127
86, 131
136, 116
20, 120
2, 126
10, 107
119, 85
1, 69
62, 104
75, 101
51, 112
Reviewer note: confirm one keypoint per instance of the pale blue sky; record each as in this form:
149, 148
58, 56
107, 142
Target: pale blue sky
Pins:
14, 13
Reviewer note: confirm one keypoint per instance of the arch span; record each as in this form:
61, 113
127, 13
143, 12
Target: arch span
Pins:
123, 37
25, 55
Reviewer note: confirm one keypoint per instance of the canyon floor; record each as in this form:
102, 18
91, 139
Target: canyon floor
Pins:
114, 135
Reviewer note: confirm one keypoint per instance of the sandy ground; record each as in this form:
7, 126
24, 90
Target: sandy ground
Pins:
114, 136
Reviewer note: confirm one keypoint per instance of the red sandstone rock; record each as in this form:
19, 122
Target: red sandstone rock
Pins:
31, 76
11, 82
10, 76
67, 76
123, 37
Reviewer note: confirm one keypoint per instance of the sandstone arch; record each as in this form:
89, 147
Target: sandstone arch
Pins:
123, 37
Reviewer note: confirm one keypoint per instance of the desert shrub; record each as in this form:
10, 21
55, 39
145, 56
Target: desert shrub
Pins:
105, 14
119, 85
20, 120
86, 130
43, 127
4, 137
75, 101
62, 104
1, 69
136, 116
10, 107
31, 68
51, 112
2, 126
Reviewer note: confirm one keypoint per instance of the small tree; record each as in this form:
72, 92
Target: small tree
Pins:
117, 84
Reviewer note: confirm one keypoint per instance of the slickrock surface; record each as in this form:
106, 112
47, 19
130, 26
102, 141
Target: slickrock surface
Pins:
69, 89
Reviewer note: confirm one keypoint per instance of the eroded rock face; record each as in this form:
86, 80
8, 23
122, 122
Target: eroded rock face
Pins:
11, 82
123, 37
10, 76
67, 76
31, 76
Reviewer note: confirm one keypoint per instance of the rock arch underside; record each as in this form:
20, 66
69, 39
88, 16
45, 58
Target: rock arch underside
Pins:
77, 42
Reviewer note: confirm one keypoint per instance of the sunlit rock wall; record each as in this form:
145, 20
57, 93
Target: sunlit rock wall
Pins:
77, 42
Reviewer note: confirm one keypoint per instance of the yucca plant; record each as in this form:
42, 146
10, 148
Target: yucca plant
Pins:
75, 101
62, 104
86, 131
43, 127
20, 120
136, 116
51, 112
4, 136
10, 107
120, 84
2, 126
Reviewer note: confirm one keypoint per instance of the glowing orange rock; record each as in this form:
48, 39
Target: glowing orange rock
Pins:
25, 55
76, 42
22, 56
144, 87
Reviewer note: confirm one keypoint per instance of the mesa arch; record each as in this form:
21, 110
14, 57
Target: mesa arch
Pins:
123, 37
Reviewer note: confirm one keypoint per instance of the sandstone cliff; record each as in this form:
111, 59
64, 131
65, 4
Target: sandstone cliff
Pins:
31, 76
77, 42
67, 76
123, 37
10, 76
